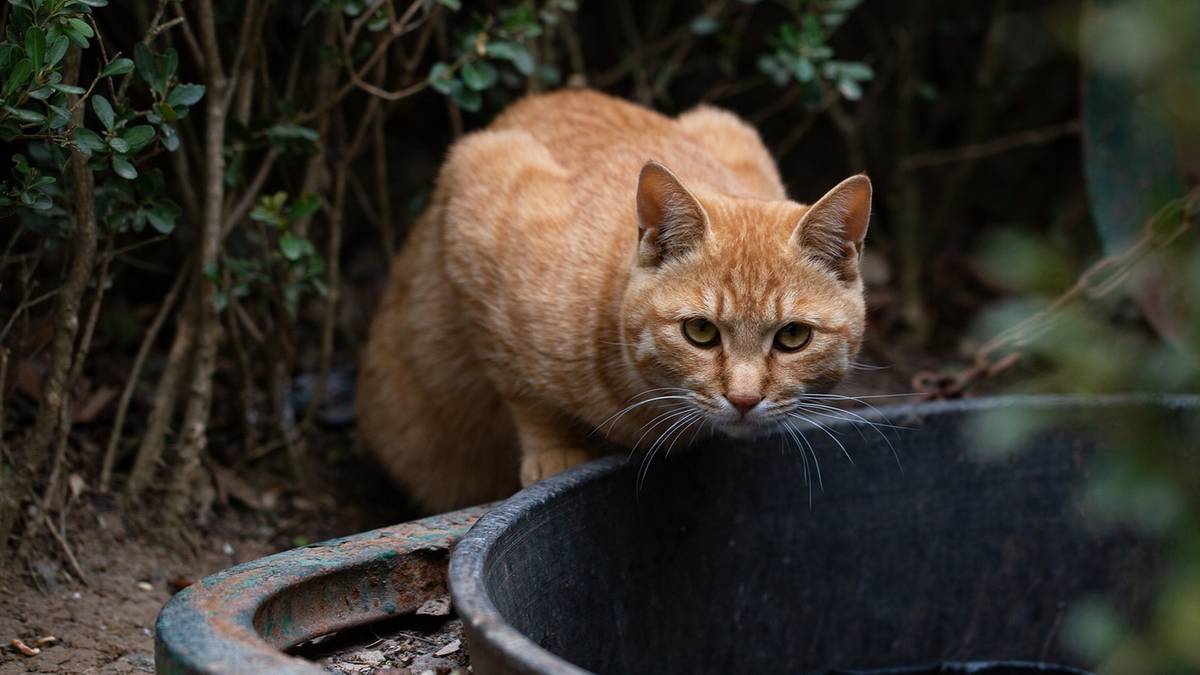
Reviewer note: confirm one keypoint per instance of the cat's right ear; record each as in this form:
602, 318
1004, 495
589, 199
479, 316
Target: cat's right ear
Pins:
671, 221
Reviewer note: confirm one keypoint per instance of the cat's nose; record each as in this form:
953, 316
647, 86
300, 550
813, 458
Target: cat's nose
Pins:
743, 402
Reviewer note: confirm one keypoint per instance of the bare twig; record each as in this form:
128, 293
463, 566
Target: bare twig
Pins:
243, 206
976, 151
62, 542
135, 371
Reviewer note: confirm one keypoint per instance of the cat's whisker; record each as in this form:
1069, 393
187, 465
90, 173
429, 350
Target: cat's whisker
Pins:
848, 415
644, 469
813, 451
800, 442
858, 365
612, 419
828, 433
663, 418
874, 425
692, 422
846, 397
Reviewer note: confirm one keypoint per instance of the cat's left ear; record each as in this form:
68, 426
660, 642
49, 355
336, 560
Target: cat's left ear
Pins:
671, 221
833, 230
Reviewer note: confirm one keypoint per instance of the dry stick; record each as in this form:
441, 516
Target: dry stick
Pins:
66, 317
243, 205
246, 375
62, 542
977, 151
383, 192
166, 393
156, 324
3, 410
198, 405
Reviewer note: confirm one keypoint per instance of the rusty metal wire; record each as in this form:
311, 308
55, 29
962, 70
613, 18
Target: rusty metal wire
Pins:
1102, 278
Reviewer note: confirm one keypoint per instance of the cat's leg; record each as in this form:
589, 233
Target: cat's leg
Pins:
736, 145
548, 444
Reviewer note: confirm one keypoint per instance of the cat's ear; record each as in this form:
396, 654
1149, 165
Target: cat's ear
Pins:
671, 221
832, 231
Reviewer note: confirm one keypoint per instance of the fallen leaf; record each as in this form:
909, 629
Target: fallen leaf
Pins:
29, 379
449, 649
230, 485
93, 404
75, 481
179, 583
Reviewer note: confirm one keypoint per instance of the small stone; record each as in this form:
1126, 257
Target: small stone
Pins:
145, 585
435, 607
373, 657
227, 548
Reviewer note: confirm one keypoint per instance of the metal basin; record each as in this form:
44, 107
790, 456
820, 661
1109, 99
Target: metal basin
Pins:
721, 562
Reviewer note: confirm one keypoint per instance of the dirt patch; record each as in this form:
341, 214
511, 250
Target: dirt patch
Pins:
107, 625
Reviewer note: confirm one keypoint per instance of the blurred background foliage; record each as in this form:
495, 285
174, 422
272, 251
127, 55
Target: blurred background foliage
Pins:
199, 202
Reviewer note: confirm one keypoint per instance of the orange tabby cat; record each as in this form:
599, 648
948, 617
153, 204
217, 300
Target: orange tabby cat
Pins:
589, 269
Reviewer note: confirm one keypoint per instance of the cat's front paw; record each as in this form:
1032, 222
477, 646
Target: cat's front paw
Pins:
542, 465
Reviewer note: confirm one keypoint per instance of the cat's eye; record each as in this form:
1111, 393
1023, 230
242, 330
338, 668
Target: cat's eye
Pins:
701, 332
793, 337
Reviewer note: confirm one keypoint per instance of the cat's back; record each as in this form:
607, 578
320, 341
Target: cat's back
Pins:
600, 140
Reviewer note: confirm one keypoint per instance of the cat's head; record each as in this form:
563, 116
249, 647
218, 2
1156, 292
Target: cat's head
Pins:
741, 307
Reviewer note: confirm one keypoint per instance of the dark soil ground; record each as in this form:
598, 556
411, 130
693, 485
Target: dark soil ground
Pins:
104, 622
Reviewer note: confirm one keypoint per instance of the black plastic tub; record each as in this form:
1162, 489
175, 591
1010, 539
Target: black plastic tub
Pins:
722, 562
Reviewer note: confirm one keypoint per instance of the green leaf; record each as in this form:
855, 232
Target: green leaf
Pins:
117, 67
803, 69
26, 115
146, 63
35, 46
479, 75
17, 77
124, 168
292, 132
304, 207
80, 26
118, 144
185, 95
162, 216
166, 112
704, 25
549, 74
95, 3
850, 89
465, 97
453, 5
513, 52
59, 117
291, 246
41, 93
138, 137
170, 140
441, 76
58, 49
104, 111
89, 141
69, 89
